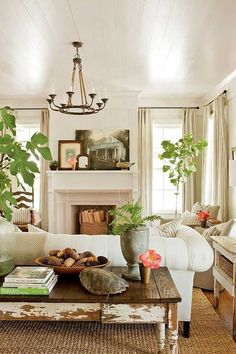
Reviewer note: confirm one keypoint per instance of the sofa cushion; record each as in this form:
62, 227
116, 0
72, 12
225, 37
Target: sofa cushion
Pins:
189, 218
168, 229
32, 228
229, 229
212, 209
28, 247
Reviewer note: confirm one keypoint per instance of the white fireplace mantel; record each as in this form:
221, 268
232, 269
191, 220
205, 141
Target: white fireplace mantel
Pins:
67, 189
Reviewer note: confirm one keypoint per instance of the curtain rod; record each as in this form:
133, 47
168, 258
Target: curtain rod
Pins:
223, 93
169, 107
28, 109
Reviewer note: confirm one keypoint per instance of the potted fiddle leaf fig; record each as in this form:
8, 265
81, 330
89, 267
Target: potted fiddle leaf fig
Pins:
134, 234
180, 160
15, 163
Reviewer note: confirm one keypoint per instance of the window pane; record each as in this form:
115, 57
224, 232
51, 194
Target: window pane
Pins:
163, 190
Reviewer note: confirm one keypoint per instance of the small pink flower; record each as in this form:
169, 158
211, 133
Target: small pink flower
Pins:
72, 161
151, 259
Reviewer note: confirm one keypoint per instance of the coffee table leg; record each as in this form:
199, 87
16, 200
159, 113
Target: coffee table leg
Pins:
172, 329
161, 337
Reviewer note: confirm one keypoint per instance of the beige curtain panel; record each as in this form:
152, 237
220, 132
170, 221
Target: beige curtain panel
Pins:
215, 179
43, 206
145, 159
190, 127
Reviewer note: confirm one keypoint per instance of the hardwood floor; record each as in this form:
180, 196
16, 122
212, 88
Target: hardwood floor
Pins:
225, 308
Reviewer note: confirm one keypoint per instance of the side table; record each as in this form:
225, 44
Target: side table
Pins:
224, 270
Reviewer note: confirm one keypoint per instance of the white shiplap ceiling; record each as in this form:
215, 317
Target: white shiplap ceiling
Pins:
166, 47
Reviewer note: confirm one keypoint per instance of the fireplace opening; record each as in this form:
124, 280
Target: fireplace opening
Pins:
92, 219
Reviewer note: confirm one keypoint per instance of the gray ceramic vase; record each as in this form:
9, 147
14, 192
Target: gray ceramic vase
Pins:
133, 243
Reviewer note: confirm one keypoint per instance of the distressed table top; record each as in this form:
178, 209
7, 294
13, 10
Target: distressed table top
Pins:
69, 289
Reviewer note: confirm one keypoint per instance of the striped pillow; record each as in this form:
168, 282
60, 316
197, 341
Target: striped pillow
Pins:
21, 216
212, 231
189, 218
168, 229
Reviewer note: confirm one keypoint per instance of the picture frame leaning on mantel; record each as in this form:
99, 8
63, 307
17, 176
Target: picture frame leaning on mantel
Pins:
66, 150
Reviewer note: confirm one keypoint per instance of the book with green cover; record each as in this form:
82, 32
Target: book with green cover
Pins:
30, 274
29, 291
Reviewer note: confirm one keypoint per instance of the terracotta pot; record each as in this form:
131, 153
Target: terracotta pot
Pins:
133, 243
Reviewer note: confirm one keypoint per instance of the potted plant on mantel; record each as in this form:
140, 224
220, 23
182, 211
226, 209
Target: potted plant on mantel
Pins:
53, 165
15, 162
180, 160
134, 234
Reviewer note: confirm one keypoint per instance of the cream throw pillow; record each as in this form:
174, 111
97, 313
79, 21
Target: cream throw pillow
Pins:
168, 229
189, 218
213, 209
21, 216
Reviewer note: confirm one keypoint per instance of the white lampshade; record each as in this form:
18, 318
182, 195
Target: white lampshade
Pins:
232, 173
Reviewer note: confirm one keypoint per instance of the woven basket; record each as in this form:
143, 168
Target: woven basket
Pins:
226, 266
96, 228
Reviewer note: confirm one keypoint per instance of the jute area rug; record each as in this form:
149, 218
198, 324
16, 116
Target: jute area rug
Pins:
208, 336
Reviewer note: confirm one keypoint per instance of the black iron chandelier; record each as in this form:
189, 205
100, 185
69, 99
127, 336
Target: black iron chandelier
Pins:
83, 107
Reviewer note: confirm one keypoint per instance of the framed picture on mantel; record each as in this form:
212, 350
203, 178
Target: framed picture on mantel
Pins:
105, 147
67, 151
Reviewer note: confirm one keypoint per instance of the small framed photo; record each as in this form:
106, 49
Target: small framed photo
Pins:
68, 150
83, 162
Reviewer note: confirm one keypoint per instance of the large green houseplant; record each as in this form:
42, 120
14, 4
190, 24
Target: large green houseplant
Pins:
180, 160
134, 234
15, 162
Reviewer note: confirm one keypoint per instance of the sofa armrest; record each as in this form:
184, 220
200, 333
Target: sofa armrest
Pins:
200, 254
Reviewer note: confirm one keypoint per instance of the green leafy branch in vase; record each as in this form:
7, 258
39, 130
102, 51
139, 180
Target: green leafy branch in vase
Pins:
129, 216
15, 159
180, 160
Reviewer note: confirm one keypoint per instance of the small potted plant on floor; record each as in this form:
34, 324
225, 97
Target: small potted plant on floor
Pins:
134, 234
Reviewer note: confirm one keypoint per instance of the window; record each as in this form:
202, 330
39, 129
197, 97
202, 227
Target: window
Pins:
24, 130
163, 192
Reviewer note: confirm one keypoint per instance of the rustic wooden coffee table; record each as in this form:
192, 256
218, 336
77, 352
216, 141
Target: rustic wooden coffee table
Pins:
69, 301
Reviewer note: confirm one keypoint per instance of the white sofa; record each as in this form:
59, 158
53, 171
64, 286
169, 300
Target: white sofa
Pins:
184, 255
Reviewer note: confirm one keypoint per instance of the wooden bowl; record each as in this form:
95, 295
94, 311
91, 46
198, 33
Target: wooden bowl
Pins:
66, 270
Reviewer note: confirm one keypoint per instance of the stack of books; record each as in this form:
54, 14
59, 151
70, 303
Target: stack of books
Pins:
29, 281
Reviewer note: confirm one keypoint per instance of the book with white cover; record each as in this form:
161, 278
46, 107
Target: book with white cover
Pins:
29, 274
29, 290
31, 285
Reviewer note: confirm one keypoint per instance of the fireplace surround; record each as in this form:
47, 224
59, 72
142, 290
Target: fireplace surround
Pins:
69, 189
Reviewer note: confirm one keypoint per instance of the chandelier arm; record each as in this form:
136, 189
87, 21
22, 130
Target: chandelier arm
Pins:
54, 104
